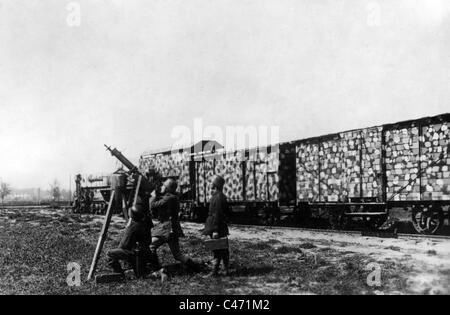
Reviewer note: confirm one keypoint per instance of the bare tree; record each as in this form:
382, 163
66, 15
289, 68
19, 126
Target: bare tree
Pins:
5, 190
55, 191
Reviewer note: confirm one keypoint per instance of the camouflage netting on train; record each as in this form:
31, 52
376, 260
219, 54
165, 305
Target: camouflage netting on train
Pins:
402, 163
404, 152
341, 160
205, 171
229, 168
261, 176
169, 165
436, 178
342, 157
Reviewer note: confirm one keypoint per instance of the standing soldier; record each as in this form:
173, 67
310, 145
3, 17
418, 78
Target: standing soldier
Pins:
166, 209
216, 224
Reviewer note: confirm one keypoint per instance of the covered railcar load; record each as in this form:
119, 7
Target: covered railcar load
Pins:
180, 164
366, 172
360, 173
251, 180
341, 175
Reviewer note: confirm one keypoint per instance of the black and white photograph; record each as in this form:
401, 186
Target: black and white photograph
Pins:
223, 153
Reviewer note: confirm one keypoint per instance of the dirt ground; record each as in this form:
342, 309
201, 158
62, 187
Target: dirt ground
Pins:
36, 245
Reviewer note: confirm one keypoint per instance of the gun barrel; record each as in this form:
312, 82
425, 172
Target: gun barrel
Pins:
118, 155
146, 186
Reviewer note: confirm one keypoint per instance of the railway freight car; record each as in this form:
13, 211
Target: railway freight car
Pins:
359, 173
369, 171
251, 177
251, 181
179, 164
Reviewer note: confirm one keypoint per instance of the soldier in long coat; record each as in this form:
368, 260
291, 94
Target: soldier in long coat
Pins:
216, 224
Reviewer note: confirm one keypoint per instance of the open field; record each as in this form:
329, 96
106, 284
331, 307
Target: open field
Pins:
37, 244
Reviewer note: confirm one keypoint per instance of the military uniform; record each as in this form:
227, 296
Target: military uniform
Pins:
216, 224
217, 219
137, 232
166, 209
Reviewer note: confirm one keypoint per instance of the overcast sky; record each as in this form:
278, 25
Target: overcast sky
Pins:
133, 70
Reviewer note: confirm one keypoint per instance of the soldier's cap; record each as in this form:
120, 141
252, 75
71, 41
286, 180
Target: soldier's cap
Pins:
171, 185
218, 181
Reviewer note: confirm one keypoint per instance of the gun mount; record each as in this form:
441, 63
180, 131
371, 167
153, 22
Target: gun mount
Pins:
148, 181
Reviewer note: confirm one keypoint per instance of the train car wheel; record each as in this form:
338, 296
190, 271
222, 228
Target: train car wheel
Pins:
448, 215
427, 219
191, 213
270, 216
194, 214
264, 216
337, 219
374, 223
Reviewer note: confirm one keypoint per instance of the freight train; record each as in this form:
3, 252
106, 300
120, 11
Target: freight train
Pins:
363, 173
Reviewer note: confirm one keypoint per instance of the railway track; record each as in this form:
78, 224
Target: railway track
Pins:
351, 232
317, 230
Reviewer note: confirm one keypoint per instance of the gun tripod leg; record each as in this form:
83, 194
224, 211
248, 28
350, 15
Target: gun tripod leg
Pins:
102, 238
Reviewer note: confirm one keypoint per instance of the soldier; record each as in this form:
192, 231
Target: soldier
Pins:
216, 224
137, 232
166, 208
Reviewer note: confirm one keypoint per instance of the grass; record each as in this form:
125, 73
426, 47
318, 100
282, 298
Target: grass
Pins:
288, 249
35, 249
307, 246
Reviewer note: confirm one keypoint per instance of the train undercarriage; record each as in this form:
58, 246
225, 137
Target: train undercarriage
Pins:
425, 217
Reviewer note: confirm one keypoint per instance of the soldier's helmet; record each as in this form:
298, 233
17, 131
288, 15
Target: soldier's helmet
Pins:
170, 185
218, 182
151, 172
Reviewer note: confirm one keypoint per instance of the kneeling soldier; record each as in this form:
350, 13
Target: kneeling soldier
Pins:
137, 233
166, 209
216, 224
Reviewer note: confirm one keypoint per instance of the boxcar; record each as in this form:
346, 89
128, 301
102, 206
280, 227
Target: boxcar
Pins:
359, 173
367, 172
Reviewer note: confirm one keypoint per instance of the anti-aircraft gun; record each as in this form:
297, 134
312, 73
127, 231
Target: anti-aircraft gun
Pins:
131, 184
128, 187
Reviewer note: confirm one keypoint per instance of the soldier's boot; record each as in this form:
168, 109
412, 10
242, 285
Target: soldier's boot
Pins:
215, 270
226, 263
154, 261
116, 267
192, 265
161, 273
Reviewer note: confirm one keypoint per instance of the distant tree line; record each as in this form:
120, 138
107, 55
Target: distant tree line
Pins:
10, 196
5, 191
